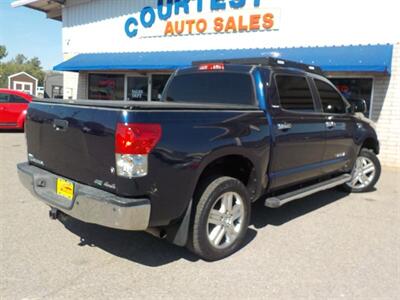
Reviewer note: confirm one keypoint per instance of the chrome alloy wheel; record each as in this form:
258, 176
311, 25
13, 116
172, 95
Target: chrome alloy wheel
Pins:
225, 220
363, 173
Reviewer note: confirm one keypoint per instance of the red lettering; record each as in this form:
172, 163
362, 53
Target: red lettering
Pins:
218, 24
190, 24
169, 29
268, 20
230, 24
177, 29
201, 25
254, 22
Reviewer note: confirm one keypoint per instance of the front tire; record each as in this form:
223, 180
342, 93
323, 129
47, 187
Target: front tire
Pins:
221, 219
365, 174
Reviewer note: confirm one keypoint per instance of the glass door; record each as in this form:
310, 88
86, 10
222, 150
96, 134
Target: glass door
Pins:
137, 89
158, 82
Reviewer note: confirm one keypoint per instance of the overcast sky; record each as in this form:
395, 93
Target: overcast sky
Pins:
29, 32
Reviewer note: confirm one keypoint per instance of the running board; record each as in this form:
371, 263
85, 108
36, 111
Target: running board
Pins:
280, 200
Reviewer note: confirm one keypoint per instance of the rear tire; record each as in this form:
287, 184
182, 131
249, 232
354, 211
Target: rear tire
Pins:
365, 174
222, 216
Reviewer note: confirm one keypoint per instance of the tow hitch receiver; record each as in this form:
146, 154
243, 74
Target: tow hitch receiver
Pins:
53, 213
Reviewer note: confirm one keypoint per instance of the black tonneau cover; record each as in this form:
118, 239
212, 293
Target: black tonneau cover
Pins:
147, 105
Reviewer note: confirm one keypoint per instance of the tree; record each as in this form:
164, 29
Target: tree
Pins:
3, 52
20, 59
20, 63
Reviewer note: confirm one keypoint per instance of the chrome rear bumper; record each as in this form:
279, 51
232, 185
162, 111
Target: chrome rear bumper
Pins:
89, 204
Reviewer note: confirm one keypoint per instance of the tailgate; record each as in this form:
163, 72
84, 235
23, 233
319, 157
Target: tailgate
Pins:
76, 142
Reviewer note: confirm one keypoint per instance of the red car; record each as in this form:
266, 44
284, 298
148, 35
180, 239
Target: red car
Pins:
13, 106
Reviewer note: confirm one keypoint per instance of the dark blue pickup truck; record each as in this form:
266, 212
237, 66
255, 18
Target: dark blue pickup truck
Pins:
187, 168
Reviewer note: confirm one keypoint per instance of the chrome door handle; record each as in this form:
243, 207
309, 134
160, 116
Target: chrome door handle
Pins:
284, 126
330, 124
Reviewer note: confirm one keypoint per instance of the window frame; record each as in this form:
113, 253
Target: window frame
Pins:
277, 104
346, 103
107, 73
127, 74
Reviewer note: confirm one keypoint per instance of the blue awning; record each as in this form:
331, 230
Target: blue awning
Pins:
370, 58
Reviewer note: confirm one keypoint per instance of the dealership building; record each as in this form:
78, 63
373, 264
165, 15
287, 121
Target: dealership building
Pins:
126, 49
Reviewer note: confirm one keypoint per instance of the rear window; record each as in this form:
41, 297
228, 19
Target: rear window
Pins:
231, 88
17, 99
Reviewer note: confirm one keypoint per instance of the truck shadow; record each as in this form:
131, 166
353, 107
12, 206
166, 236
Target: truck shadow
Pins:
145, 249
263, 216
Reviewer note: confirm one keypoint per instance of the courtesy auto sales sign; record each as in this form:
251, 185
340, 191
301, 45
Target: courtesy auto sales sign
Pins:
188, 17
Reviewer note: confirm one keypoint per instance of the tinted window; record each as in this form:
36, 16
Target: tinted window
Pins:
294, 93
137, 88
232, 88
158, 83
331, 100
4, 98
106, 87
17, 99
355, 88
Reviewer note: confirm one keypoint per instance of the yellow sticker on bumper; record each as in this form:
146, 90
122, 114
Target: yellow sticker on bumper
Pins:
65, 188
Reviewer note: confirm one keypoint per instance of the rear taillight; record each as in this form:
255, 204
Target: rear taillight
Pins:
133, 143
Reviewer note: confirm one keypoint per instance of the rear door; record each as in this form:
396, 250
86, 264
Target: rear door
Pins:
299, 130
340, 128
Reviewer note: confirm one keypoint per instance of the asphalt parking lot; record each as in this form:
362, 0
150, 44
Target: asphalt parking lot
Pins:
329, 245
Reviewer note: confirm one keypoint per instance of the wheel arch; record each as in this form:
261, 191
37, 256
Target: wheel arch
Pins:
371, 144
237, 166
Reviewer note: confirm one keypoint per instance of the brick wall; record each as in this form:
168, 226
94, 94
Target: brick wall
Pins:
386, 112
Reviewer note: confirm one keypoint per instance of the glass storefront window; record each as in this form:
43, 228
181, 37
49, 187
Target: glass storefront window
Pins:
158, 82
106, 87
112, 87
137, 88
355, 88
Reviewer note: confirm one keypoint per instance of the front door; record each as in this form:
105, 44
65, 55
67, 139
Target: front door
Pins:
299, 130
26, 87
340, 147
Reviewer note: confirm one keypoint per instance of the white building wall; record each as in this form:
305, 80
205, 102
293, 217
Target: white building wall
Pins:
71, 80
98, 25
386, 112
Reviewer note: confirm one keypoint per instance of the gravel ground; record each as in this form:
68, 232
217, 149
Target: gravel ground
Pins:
329, 245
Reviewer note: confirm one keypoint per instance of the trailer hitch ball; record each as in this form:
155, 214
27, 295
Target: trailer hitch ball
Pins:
53, 213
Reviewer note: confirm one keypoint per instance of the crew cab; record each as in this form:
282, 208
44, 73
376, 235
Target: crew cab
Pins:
188, 168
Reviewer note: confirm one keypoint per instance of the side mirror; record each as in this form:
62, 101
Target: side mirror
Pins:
358, 105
